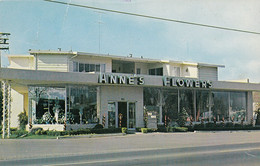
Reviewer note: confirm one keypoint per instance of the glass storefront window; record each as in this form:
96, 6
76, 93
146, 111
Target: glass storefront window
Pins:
220, 109
112, 114
152, 102
202, 106
47, 105
132, 115
170, 106
186, 102
238, 106
82, 105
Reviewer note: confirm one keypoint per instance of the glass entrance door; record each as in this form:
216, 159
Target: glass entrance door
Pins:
131, 115
122, 114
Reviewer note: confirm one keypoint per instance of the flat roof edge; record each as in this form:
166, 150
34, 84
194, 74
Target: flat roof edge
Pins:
50, 52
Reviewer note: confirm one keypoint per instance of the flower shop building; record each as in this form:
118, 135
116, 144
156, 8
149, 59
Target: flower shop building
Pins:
83, 89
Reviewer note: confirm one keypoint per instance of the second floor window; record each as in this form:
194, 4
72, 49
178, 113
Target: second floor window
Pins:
138, 71
156, 71
86, 67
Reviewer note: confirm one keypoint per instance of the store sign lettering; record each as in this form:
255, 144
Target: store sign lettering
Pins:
189, 83
120, 79
139, 80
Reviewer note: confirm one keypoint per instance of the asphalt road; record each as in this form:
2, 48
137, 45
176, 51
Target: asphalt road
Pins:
198, 149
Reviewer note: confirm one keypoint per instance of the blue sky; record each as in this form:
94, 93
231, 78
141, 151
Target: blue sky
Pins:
37, 24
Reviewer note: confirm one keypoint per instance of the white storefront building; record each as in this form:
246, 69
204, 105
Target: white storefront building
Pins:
82, 89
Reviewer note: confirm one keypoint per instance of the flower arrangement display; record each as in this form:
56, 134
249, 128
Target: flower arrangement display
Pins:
70, 118
47, 118
61, 118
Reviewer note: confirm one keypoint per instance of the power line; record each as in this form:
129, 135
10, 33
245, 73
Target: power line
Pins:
157, 18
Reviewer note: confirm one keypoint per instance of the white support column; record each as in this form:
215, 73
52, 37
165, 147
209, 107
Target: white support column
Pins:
4, 108
6, 90
9, 109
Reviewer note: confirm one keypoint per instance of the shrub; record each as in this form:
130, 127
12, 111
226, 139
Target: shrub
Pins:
210, 124
176, 129
106, 130
19, 133
99, 126
161, 128
180, 129
229, 124
182, 117
169, 129
40, 132
124, 130
33, 130
53, 133
23, 120
138, 129
144, 130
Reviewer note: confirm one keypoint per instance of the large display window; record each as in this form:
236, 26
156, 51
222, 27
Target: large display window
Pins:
203, 103
187, 102
220, 106
47, 105
55, 105
169, 106
152, 102
238, 106
199, 105
82, 101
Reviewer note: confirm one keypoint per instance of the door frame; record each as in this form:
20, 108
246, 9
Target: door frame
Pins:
127, 111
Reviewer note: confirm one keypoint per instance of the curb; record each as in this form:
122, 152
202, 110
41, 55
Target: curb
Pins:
91, 136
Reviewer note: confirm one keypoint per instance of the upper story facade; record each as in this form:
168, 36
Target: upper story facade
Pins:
68, 61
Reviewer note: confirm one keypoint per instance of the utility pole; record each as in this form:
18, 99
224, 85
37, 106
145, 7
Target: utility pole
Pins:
6, 89
4, 44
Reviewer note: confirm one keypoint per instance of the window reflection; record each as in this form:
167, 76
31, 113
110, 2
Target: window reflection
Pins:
82, 105
170, 106
202, 104
238, 106
186, 102
152, 102
220, 106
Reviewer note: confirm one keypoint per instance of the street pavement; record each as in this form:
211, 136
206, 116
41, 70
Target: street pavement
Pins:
201, 148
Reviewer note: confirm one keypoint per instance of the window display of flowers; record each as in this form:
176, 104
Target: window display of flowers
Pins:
61, 117
70, 118
47, 118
